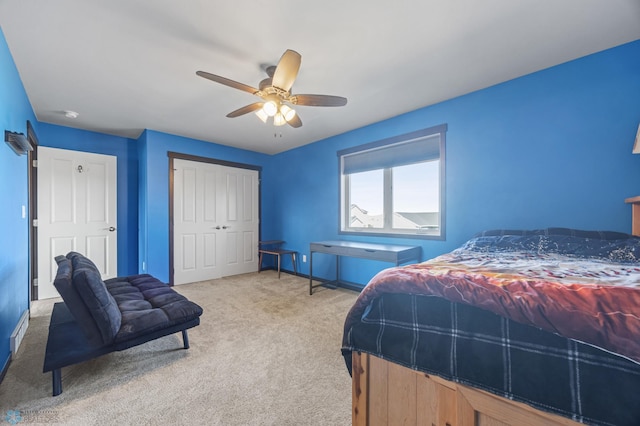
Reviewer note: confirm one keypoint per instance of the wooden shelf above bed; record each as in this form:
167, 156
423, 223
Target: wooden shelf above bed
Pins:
635, 214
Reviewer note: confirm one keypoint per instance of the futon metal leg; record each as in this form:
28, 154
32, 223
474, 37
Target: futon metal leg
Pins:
56, 376
185, 339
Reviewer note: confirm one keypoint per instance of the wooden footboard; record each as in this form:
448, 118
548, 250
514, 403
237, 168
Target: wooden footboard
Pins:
385, 393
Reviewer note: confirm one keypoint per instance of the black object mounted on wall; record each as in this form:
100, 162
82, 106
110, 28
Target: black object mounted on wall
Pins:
18, 142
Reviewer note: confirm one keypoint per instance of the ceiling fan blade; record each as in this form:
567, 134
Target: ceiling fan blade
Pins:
318, 100
227, 82
245, 109
295, 121
287, 70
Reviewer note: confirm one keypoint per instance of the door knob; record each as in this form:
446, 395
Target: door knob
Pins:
110, 229
225, 227
217, 227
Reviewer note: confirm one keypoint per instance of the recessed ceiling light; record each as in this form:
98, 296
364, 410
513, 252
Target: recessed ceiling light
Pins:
71, 114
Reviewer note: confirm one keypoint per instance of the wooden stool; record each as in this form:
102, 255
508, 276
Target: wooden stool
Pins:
273, 247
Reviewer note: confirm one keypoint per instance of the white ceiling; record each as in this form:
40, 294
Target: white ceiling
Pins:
129, 65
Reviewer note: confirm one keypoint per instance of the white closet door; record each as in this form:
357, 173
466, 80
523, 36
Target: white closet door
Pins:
215, 221
240, 222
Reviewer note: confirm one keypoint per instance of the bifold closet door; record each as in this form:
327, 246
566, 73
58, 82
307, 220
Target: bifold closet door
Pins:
215, 221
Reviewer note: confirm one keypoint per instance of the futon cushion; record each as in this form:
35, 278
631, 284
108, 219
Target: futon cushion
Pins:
74, 302
102, 307
148, 304
118, 309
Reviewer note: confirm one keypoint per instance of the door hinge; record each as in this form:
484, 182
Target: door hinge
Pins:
35, 223
35, 282
35, 163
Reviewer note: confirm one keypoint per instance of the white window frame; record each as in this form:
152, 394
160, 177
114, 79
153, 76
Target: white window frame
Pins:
389, 153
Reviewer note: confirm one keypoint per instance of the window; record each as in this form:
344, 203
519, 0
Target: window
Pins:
394, 186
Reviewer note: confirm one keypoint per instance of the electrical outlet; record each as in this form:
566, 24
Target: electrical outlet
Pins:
304, 258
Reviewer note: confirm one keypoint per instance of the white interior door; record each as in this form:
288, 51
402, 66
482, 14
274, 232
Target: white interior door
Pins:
77, 211
215, 221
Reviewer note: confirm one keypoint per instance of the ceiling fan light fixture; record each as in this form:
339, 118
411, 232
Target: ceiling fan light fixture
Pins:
275, 91
287, 112
279, 120
262, 115
270, 108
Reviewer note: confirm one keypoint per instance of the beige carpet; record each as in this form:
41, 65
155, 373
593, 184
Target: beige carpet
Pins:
265, 353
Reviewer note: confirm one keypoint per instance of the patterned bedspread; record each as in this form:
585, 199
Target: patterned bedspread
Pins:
550, 318
478, 348
582, 285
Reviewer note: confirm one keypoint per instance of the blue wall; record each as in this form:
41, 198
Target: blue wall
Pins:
15, 110
549, 149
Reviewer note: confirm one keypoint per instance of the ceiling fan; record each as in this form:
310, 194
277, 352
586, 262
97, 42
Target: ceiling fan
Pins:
275, 91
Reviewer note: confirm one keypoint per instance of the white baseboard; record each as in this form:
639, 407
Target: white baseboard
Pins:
19, 332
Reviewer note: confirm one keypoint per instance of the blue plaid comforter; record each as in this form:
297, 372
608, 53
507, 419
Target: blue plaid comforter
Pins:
514, 359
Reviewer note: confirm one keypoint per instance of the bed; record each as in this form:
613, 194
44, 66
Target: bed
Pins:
533, 327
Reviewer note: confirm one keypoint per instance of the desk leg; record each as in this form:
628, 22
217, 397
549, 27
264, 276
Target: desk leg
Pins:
293, 260
279, 266
310, 273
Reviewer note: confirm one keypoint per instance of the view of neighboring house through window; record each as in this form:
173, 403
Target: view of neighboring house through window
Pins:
395, 186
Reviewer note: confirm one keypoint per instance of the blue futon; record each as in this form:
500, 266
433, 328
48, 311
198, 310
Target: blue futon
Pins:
97, 317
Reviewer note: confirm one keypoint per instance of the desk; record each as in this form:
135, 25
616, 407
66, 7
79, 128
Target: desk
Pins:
396, 254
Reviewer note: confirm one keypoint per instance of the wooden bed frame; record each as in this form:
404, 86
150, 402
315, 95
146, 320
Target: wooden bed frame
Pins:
385, 393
